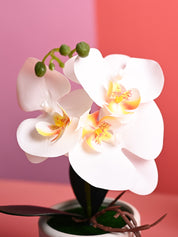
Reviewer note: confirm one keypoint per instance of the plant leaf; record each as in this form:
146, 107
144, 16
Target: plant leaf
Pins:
91, 198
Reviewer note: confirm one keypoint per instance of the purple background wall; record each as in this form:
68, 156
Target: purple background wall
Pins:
31, 28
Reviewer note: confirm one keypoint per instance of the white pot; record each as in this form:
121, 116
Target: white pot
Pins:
46, 231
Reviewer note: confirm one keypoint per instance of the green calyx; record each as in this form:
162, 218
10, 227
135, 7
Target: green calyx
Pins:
82, 49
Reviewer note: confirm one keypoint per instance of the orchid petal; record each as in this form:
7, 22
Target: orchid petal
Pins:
146, 76
143, 135
69, 69
116, 64
33, 92
44, 129
107, 170
35, 159
90, 72
76, 103
34, 144
146, 174
57, 84
121, 118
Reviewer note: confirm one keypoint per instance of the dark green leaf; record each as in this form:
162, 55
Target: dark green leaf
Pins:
92, 196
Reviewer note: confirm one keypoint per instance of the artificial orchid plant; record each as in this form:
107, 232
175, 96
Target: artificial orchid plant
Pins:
110, 147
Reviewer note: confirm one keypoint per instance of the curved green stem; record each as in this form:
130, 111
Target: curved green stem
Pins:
50, 53
51, 60
71, 53
88, 199
53, 57
58, 60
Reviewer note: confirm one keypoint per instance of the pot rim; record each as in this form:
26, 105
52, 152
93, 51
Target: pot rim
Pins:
49, 231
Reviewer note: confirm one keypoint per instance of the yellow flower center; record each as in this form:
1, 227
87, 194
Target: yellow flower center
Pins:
101, 133
120, 100
54, 130
96, 132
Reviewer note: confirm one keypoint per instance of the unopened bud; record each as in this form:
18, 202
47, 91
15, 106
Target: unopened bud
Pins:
82, 49
40, 69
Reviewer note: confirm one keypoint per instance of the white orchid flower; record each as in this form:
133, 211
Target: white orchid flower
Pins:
124, 88
55, 132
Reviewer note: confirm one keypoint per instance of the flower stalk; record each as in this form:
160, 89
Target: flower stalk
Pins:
81, 48
88, 200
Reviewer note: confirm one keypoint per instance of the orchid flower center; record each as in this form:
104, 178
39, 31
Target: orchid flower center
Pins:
56, 129
101, 132
119, 100
96, 131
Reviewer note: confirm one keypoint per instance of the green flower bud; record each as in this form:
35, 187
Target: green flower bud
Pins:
82, 49
64, 50
51, 66
40, 69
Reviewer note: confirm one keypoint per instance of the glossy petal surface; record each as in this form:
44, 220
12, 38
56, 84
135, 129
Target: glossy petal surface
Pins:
143, 135
91, 74
35, 159
94, 70
146, 176
76, 103
69, 69
33, 143
103, 170
33, 91
120, 171
145, 75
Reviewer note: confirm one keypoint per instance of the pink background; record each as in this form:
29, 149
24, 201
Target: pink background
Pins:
32, 28
147, 29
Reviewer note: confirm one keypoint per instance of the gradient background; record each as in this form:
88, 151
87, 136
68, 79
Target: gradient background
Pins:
145, 29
